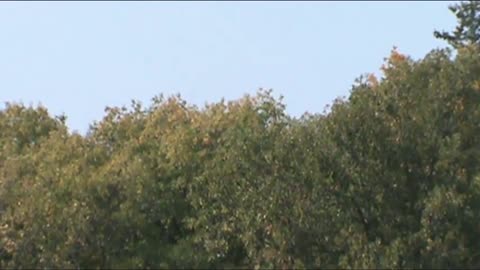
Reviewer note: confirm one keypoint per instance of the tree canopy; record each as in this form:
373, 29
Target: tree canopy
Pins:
467, 31
388, 178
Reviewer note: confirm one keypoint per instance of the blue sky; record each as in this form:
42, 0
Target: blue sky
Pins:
78, 57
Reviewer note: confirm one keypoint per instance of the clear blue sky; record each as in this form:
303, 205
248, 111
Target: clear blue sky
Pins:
78, 57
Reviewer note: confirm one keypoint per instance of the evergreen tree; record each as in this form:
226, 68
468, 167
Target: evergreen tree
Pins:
467, 31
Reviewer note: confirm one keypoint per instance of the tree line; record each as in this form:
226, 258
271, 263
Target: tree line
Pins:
388, 178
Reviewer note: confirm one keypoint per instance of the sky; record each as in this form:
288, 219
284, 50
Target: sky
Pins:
76, 58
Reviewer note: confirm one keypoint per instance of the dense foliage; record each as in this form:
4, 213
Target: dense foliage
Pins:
388, 178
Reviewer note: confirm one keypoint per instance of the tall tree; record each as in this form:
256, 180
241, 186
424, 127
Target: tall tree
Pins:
467, 31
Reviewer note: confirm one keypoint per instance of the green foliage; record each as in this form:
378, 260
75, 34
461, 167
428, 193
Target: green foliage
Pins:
389, 178
467, 31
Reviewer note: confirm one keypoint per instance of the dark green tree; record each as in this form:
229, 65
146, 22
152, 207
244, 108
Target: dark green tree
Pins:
467, 31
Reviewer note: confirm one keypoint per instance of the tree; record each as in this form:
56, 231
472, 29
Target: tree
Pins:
389, 178
467, 31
